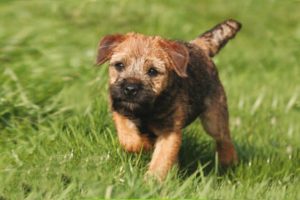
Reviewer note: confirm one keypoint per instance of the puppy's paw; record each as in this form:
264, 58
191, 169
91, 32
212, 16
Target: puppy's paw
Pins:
227, 155
136, 145
153, 177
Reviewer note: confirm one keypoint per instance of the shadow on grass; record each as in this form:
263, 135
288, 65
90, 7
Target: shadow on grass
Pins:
197, 153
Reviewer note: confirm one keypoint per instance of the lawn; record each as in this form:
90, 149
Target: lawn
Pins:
57, 139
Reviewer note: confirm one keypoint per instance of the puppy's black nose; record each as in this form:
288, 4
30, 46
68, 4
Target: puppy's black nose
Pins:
131, 89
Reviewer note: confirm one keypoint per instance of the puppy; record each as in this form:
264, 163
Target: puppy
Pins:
158, 86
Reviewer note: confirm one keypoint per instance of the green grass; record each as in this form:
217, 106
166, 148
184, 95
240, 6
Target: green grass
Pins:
57, 140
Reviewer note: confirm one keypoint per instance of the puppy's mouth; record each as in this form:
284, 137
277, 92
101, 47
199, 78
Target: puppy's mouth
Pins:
133, 106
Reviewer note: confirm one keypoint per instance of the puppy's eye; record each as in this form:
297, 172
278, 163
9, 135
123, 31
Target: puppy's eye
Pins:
152, 72
119, 66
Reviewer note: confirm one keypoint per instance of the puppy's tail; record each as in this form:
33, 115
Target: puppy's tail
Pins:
215, 39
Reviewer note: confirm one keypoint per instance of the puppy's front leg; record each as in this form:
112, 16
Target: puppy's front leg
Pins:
129, 136
165, 154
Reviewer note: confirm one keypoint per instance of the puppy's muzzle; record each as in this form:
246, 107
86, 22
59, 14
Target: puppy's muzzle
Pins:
131, 89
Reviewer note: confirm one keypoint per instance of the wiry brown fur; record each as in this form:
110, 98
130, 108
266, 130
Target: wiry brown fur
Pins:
187, 86
213, 40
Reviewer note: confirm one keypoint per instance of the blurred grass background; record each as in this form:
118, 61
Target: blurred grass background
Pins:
57, 140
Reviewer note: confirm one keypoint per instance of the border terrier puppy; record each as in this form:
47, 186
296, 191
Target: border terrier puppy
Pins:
158, 86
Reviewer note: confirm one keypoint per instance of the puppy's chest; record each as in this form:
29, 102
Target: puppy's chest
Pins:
173, 117
164, 121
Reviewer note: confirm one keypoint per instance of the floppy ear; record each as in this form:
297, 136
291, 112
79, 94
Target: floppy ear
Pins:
106, 46
179, 56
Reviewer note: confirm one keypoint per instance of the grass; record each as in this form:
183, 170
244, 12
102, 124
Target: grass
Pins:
57, 140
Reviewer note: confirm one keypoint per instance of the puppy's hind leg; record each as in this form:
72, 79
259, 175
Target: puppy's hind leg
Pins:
215, 123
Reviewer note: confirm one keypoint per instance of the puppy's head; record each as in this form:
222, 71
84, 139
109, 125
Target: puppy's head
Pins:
140, 68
